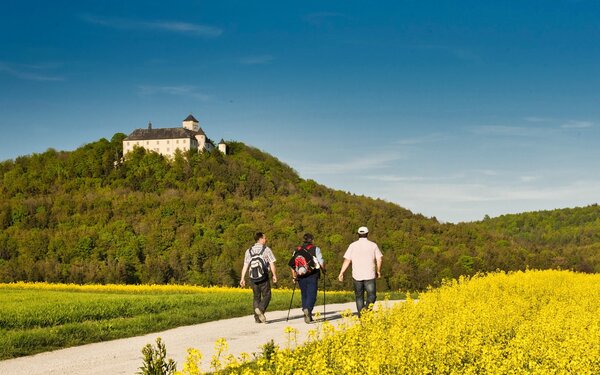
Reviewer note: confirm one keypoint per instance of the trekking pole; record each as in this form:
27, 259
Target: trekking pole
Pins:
291, 300
324, 287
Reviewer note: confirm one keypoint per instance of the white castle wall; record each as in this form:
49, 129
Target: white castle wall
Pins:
165, 147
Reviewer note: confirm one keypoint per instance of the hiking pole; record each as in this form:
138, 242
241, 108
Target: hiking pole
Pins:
324, 287
291, 300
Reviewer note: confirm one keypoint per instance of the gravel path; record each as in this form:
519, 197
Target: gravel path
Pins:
124, 356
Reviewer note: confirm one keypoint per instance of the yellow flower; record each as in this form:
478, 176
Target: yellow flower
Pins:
534, 322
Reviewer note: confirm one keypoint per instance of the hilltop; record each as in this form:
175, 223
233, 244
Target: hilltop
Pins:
87, 216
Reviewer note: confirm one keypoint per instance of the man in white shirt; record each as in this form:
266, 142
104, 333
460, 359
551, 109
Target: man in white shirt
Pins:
365, 257
261, 288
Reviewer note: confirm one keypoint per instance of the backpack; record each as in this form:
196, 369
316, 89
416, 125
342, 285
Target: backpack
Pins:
303, 261
258, 268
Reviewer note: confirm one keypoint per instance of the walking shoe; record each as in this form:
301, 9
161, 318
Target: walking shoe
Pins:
307, 318
260, 315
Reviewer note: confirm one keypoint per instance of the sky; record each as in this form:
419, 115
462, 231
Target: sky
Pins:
452, 109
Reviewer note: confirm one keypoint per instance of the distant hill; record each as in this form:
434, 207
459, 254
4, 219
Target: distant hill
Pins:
562, 238
84, 216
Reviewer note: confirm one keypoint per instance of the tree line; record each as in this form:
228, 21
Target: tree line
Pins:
88, 216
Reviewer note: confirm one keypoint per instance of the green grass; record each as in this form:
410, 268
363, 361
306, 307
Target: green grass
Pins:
34, 320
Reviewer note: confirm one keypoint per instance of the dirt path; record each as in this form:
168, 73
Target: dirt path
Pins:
124, 356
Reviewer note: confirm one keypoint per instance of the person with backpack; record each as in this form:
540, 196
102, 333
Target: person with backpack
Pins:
257, 261
306, 264
365, 257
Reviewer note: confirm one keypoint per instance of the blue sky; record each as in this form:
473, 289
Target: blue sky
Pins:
452, 109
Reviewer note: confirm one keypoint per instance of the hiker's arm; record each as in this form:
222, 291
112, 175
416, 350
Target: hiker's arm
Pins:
242, 279
378, 268
293, 274
320, 259
273, 271
344, 268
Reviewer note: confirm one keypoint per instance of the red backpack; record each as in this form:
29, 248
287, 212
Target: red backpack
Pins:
303, 260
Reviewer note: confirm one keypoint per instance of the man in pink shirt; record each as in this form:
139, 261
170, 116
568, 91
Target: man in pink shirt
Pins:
365, 257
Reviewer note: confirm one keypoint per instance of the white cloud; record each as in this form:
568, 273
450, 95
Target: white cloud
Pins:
487, 172
396, 178
434, 137
183, 90
466, 192
537, 119
393, 178
170, 26
256, 60
577, 125
508, 131
369, 162
529, 178
471, 201
30, 72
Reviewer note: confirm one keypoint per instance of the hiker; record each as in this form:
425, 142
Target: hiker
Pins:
257, 261
365, 257
306, 264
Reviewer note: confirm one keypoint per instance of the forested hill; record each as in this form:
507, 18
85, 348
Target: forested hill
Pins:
561, 238
83, 216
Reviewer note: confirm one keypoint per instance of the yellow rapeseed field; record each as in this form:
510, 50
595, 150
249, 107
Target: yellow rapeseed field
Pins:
533, 322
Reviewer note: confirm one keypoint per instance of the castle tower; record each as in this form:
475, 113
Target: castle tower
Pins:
223, 147
191, 123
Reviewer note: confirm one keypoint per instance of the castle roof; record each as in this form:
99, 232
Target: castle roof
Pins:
190, 118
164, 133
222, 142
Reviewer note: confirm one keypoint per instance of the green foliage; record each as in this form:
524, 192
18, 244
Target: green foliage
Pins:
88, 216
155, 362
268, 350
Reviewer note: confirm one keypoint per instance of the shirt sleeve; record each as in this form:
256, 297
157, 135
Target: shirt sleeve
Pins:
348, 253
378, 254
319, 256
247, 257
269, 256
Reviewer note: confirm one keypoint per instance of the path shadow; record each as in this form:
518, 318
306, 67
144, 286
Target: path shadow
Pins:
334, 316
329, 315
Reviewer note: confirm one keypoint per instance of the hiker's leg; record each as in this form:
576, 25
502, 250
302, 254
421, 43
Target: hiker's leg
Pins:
266, 295
256, 291
371, 292
303, 284
311, 292
359, 294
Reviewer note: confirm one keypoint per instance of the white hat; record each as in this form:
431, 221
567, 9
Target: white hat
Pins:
363, 230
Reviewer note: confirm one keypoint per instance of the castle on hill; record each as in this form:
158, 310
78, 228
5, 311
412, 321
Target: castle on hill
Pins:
166, 141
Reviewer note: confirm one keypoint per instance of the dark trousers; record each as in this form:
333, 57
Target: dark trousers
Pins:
308, 290
262, 295
360, 287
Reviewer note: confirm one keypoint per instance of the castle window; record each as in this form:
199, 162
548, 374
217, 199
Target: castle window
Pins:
156, 142
147, 142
